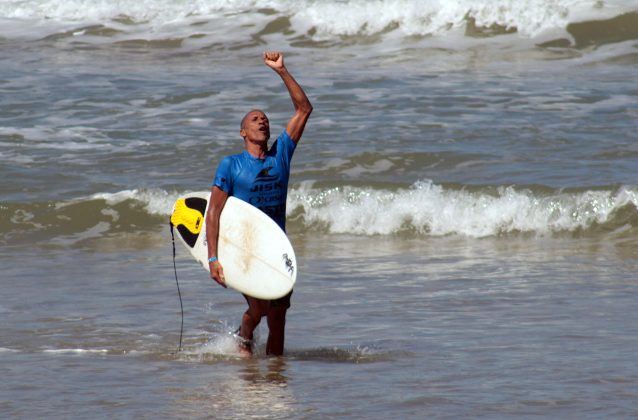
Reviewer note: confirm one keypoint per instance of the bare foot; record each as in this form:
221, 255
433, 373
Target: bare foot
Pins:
244, 346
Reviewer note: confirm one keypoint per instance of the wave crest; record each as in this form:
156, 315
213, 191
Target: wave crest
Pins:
318, 20
430, 209
423, 209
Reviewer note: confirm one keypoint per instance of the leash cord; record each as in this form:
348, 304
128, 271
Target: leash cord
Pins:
179, 293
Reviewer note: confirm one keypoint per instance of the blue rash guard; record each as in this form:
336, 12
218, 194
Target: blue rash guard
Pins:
260, 182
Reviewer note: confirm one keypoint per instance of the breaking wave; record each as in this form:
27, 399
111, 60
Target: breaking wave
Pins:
308, 22
429, 209
423, 209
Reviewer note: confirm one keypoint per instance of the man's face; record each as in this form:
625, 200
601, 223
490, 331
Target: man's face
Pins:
255, 127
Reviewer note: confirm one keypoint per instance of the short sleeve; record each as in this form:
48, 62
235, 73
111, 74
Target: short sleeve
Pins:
285, 147
223, 180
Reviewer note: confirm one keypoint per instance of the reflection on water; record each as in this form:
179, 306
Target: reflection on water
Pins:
258, 388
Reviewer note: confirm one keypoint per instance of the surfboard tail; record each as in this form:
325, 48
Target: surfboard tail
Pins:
188, 218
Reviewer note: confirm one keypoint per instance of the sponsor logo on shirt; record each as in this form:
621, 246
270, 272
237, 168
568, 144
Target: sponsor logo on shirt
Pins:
268, 194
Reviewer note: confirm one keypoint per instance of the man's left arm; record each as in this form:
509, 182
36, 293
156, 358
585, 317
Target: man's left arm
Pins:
303, 107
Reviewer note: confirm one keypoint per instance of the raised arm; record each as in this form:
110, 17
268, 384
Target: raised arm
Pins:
303, 107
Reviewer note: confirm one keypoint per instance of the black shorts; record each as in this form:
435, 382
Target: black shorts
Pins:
282, 302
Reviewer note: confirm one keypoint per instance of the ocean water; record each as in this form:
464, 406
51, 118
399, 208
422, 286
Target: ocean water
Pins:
463, 205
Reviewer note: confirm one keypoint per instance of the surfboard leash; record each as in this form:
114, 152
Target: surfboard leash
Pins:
179, 293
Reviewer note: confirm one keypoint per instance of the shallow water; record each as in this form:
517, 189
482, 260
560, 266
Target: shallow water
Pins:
444, 327
463, 206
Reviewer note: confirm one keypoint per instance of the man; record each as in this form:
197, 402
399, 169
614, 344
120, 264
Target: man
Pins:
243, 176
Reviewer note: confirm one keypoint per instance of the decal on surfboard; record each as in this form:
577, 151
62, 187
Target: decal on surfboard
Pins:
289, 265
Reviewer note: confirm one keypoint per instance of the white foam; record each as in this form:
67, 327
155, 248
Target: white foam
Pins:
76, 351
326, 18
224, 345
164, 11
155, 201
431, 209
96, 231
81, 138
424, 208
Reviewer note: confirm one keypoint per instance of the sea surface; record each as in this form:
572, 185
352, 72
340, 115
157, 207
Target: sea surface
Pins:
463, 205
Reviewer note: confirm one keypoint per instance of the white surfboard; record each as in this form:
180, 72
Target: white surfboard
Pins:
256, 254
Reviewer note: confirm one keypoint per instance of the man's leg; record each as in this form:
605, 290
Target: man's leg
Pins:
257, 308
276, 316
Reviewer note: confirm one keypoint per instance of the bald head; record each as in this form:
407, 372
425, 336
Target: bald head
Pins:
255, 126
248, 114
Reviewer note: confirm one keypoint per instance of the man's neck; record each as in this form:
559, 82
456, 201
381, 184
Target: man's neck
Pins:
256, 149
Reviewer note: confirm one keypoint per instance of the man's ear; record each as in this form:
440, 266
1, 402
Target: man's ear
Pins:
242, 133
